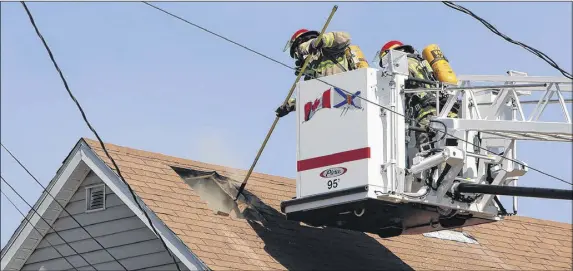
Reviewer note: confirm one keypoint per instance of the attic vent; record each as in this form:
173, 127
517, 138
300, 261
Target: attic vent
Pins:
95, 198
451, 235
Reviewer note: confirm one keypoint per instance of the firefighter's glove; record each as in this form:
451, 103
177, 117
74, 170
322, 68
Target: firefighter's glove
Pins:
309, 47
307, 74
298, 67
297, 70
284, 109
298, 63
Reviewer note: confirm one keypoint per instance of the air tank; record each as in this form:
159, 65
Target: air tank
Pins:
357, 56
440, 65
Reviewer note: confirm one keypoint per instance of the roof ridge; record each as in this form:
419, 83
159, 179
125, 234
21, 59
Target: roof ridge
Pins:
153, 155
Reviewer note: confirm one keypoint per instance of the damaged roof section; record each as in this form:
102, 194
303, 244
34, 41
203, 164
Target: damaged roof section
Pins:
219, 192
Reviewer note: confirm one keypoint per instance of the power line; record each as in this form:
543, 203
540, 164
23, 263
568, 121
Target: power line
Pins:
55, 200
55, 231
48, 241
96, 134
215, 34
364, 99
302, 70
510, 159
495, 31
261, 54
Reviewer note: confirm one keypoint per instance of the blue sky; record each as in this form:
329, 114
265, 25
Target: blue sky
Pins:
152, 82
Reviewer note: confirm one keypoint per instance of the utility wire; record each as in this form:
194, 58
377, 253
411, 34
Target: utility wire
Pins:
57, 202
261, 54
302, 70
49, 243
364, 99
55, 231
512, 160
96, 134
215, 34
495, 31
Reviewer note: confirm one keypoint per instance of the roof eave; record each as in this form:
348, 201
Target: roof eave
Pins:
44, 194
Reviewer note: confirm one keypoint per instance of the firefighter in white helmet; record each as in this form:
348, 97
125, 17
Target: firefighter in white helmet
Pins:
328, 57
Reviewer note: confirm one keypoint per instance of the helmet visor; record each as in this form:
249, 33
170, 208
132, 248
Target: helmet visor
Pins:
379, 55
288, 45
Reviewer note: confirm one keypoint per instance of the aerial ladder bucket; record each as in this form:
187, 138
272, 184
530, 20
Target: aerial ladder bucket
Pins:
357, 168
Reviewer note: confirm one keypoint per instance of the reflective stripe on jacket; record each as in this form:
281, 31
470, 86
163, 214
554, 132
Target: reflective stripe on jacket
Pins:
334, 44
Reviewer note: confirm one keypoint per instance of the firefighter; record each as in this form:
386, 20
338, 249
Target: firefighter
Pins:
420, 106
328, 57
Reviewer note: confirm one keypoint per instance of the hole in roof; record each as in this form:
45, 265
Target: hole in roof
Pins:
452, 235
218, 192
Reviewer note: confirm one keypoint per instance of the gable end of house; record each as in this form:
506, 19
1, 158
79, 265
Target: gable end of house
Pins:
95, 197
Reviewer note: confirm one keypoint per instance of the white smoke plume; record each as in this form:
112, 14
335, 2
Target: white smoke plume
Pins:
211, 147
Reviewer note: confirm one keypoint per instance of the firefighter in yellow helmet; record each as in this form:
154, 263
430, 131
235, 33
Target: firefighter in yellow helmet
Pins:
328, 57
420, 106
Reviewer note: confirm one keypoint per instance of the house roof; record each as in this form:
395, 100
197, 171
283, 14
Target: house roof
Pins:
226, 242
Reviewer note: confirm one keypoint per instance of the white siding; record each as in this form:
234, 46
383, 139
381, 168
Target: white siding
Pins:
116, 228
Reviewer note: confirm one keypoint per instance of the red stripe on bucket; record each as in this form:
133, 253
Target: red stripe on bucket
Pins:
333, 159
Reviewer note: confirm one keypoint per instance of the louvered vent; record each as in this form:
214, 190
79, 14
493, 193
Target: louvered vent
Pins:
95, 198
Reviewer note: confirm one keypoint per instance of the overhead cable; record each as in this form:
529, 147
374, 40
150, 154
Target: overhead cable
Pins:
349, 93
59, 204
48, 241
96, 134
55, 231
495, 31
215, 34
303, 68
263, 55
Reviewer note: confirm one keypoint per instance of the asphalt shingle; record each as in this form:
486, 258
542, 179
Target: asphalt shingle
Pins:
225, 242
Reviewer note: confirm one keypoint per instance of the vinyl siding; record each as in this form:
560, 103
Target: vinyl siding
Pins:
116, 228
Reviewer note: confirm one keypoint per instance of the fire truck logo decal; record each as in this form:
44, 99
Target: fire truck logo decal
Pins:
326, 100
333, 172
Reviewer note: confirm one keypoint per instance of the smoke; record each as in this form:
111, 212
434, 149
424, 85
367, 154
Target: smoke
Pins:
212, 148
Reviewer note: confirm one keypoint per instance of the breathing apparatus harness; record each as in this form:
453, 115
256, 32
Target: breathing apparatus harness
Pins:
417, 101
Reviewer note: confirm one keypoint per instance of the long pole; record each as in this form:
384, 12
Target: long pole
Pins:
307, 60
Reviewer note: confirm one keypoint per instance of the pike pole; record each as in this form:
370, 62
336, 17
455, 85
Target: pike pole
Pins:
307, 60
